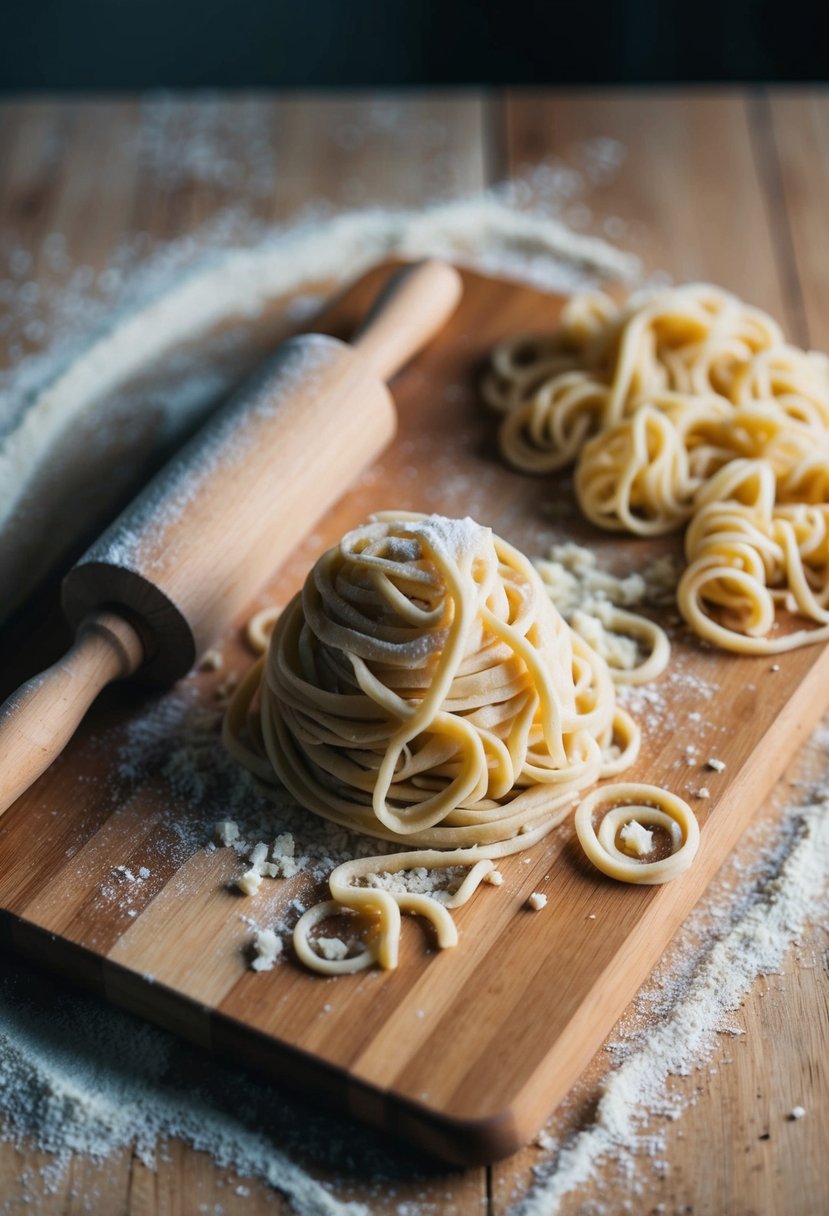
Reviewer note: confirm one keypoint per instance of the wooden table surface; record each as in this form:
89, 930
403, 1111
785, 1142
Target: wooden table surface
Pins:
729, 186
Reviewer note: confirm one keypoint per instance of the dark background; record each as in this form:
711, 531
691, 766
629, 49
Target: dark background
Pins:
127, 44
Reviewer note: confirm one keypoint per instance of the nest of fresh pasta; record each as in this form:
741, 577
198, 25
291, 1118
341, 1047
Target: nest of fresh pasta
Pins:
424, 689
687, 406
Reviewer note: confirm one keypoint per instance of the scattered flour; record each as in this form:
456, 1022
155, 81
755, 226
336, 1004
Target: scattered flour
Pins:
81, 1078
754, 944
164, 314
77, 1076
586, 594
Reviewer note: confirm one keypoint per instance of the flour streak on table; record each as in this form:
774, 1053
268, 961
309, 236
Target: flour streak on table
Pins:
466, 1053
726, 186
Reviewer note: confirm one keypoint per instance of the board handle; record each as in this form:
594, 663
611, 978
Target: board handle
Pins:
413, 306
39, 719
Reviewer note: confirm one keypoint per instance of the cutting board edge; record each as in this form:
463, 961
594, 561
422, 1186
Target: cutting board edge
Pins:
470, 1140
458, 1141
566, 1060
477, 1139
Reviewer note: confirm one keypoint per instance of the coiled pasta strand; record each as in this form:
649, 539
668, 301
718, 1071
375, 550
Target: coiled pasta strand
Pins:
653, 403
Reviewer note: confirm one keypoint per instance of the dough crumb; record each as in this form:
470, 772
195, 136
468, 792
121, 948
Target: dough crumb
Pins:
775, 667
545, 1141
284, 862
717, 765
636, 839
283, 846
227, 830
249, 883
797, 1112
211, 661
537, 901
332, 948
259, 856
495, 878
268, 948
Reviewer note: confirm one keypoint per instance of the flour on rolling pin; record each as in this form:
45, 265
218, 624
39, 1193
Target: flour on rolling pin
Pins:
301, 364
193, 550
188, 555
126, 397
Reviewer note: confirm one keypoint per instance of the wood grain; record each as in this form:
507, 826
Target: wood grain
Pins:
50, 182
688, 194
796, 124
745, 174
734, 1149
466, 1053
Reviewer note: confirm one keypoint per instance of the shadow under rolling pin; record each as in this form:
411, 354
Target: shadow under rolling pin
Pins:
168, 577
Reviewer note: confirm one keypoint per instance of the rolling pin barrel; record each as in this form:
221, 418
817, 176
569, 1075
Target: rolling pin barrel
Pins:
181, 562
196, 545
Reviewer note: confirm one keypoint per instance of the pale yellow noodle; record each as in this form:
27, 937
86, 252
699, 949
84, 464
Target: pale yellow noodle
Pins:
649, 806
654, 404
424, 689
747, 555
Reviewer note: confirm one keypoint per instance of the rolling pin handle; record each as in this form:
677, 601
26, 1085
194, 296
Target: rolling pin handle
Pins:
413, 307
39, 719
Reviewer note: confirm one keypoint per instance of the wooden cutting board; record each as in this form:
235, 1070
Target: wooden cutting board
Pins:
464, 1053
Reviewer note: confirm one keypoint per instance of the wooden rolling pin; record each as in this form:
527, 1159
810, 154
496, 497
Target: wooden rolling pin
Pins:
177, 566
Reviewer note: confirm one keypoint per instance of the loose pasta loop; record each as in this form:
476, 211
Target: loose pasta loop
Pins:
384, 906
635, 649
314, 961
647, 806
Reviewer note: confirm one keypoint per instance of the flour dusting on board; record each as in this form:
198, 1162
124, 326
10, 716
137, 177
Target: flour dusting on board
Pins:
772, 915
88, 1079
79, 1077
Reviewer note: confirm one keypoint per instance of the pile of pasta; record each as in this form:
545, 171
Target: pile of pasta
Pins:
687, 406
423, 689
